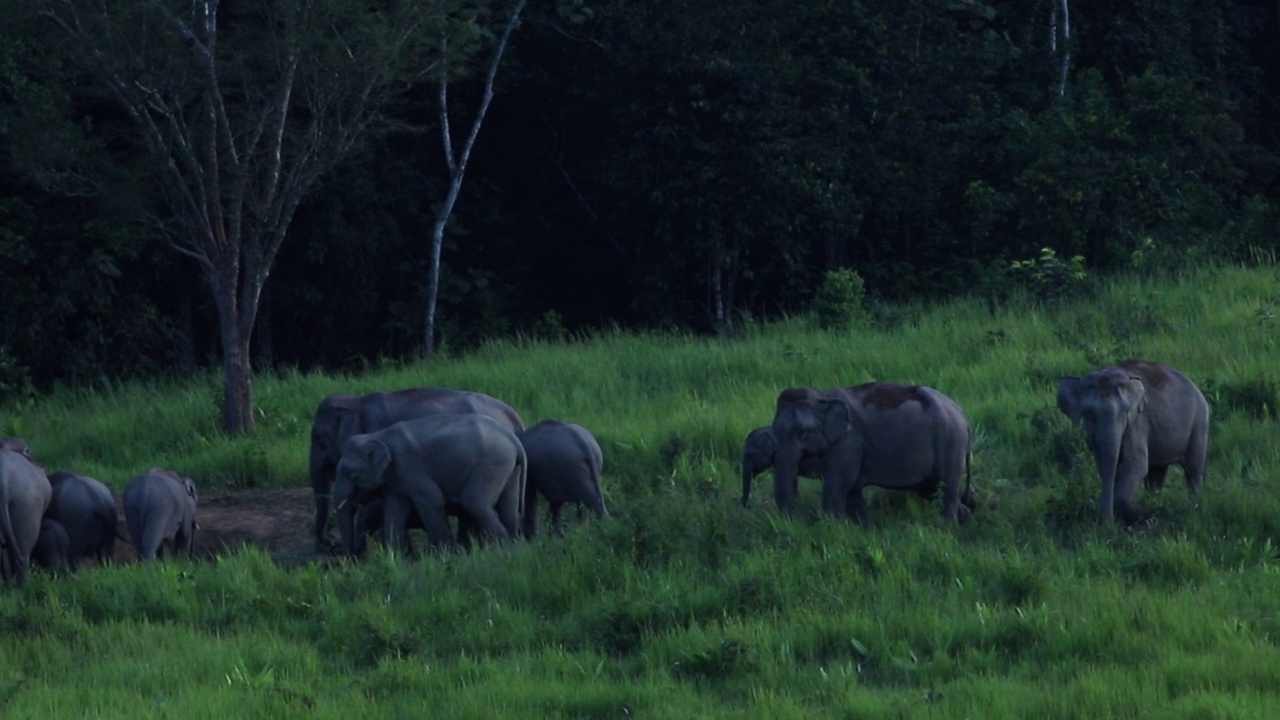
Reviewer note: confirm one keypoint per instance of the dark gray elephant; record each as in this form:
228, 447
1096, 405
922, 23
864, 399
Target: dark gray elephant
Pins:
906, 437
757, 456
426, 464
53, 547
24, 496
339, 417
1139, 418
86, 508
160, 511
565, 463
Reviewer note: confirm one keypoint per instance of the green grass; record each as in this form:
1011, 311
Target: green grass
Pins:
686, 605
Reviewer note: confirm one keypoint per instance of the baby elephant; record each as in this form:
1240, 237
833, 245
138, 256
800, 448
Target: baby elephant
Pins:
757, 456
564, 466
52, 547
160, 510
86, 510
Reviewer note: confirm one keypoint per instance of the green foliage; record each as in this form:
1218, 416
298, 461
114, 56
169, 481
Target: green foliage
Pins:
838, 302
1049, 277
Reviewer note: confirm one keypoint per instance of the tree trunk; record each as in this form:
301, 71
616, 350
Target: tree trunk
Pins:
237, 373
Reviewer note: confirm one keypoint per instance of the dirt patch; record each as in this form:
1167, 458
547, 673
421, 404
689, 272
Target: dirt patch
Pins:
279, 521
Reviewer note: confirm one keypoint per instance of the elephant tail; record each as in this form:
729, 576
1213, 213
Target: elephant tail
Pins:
8, 540
521, 474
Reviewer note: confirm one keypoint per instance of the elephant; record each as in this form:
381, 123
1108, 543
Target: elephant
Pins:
85, 508
757, 456
425, 464
884, 434
565, 462
339, 417
1139, 418
24, 496
160, 511
53, 547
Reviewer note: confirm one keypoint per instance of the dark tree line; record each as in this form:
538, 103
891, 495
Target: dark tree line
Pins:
678, 164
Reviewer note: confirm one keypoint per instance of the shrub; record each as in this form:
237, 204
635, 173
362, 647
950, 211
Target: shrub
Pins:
1050, 277
838, 302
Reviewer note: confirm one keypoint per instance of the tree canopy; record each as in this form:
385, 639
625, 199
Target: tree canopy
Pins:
642, 164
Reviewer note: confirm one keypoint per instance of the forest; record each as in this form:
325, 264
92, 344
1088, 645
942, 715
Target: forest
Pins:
641, 165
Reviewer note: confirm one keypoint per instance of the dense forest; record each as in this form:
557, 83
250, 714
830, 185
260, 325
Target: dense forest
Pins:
642, 164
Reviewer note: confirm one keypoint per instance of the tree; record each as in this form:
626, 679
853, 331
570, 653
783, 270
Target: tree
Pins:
240, 110
457, 162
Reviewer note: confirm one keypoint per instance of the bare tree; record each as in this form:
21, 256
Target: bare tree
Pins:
457, 166
240, 113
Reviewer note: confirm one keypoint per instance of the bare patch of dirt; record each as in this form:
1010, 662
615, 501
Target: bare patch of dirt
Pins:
278, 521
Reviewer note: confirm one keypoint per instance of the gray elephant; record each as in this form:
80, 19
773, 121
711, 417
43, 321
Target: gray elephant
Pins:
1139, 418
565, 463
86, 509
53, 547
906, 437
339, 417
426, 464
24, 496
160, 511
757, 456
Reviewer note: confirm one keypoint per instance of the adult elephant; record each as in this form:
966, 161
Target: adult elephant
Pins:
160, 512
907, 437
24, 496
1139, 418
427, 464
339, 417
565, 463
85, 508
757, 456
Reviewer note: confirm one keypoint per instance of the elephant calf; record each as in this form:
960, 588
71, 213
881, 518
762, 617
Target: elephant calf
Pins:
52, 551
160, 510
757, 456
565, 462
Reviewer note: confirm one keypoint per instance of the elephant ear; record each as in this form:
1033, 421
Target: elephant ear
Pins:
1068, 400
836, 418
1134, 391
378, 456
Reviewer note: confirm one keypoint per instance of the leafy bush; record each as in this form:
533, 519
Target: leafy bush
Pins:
839, 300
1050, 277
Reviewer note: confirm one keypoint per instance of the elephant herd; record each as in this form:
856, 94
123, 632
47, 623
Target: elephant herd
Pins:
388, 462
391, 461
57, 520
1139, 418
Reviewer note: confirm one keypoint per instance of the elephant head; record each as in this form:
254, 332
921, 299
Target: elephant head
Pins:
1106, 402
336, 420
806, 423
361, 473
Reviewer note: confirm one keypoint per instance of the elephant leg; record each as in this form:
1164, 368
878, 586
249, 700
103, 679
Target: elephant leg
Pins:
1127, 476
1193, 462
432, 510
557, 517
395, 523
475, 503
856, 507
1154, 481
529, 523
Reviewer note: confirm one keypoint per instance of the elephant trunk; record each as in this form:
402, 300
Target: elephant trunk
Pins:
344, 497
1106, 453
747, 477
786, 465
321, 487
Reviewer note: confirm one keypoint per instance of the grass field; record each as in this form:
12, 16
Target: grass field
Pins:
686, 605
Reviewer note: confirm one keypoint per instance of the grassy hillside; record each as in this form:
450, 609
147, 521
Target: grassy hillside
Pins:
686, 605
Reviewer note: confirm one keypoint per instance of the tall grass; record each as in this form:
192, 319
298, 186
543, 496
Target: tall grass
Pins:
686, 605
